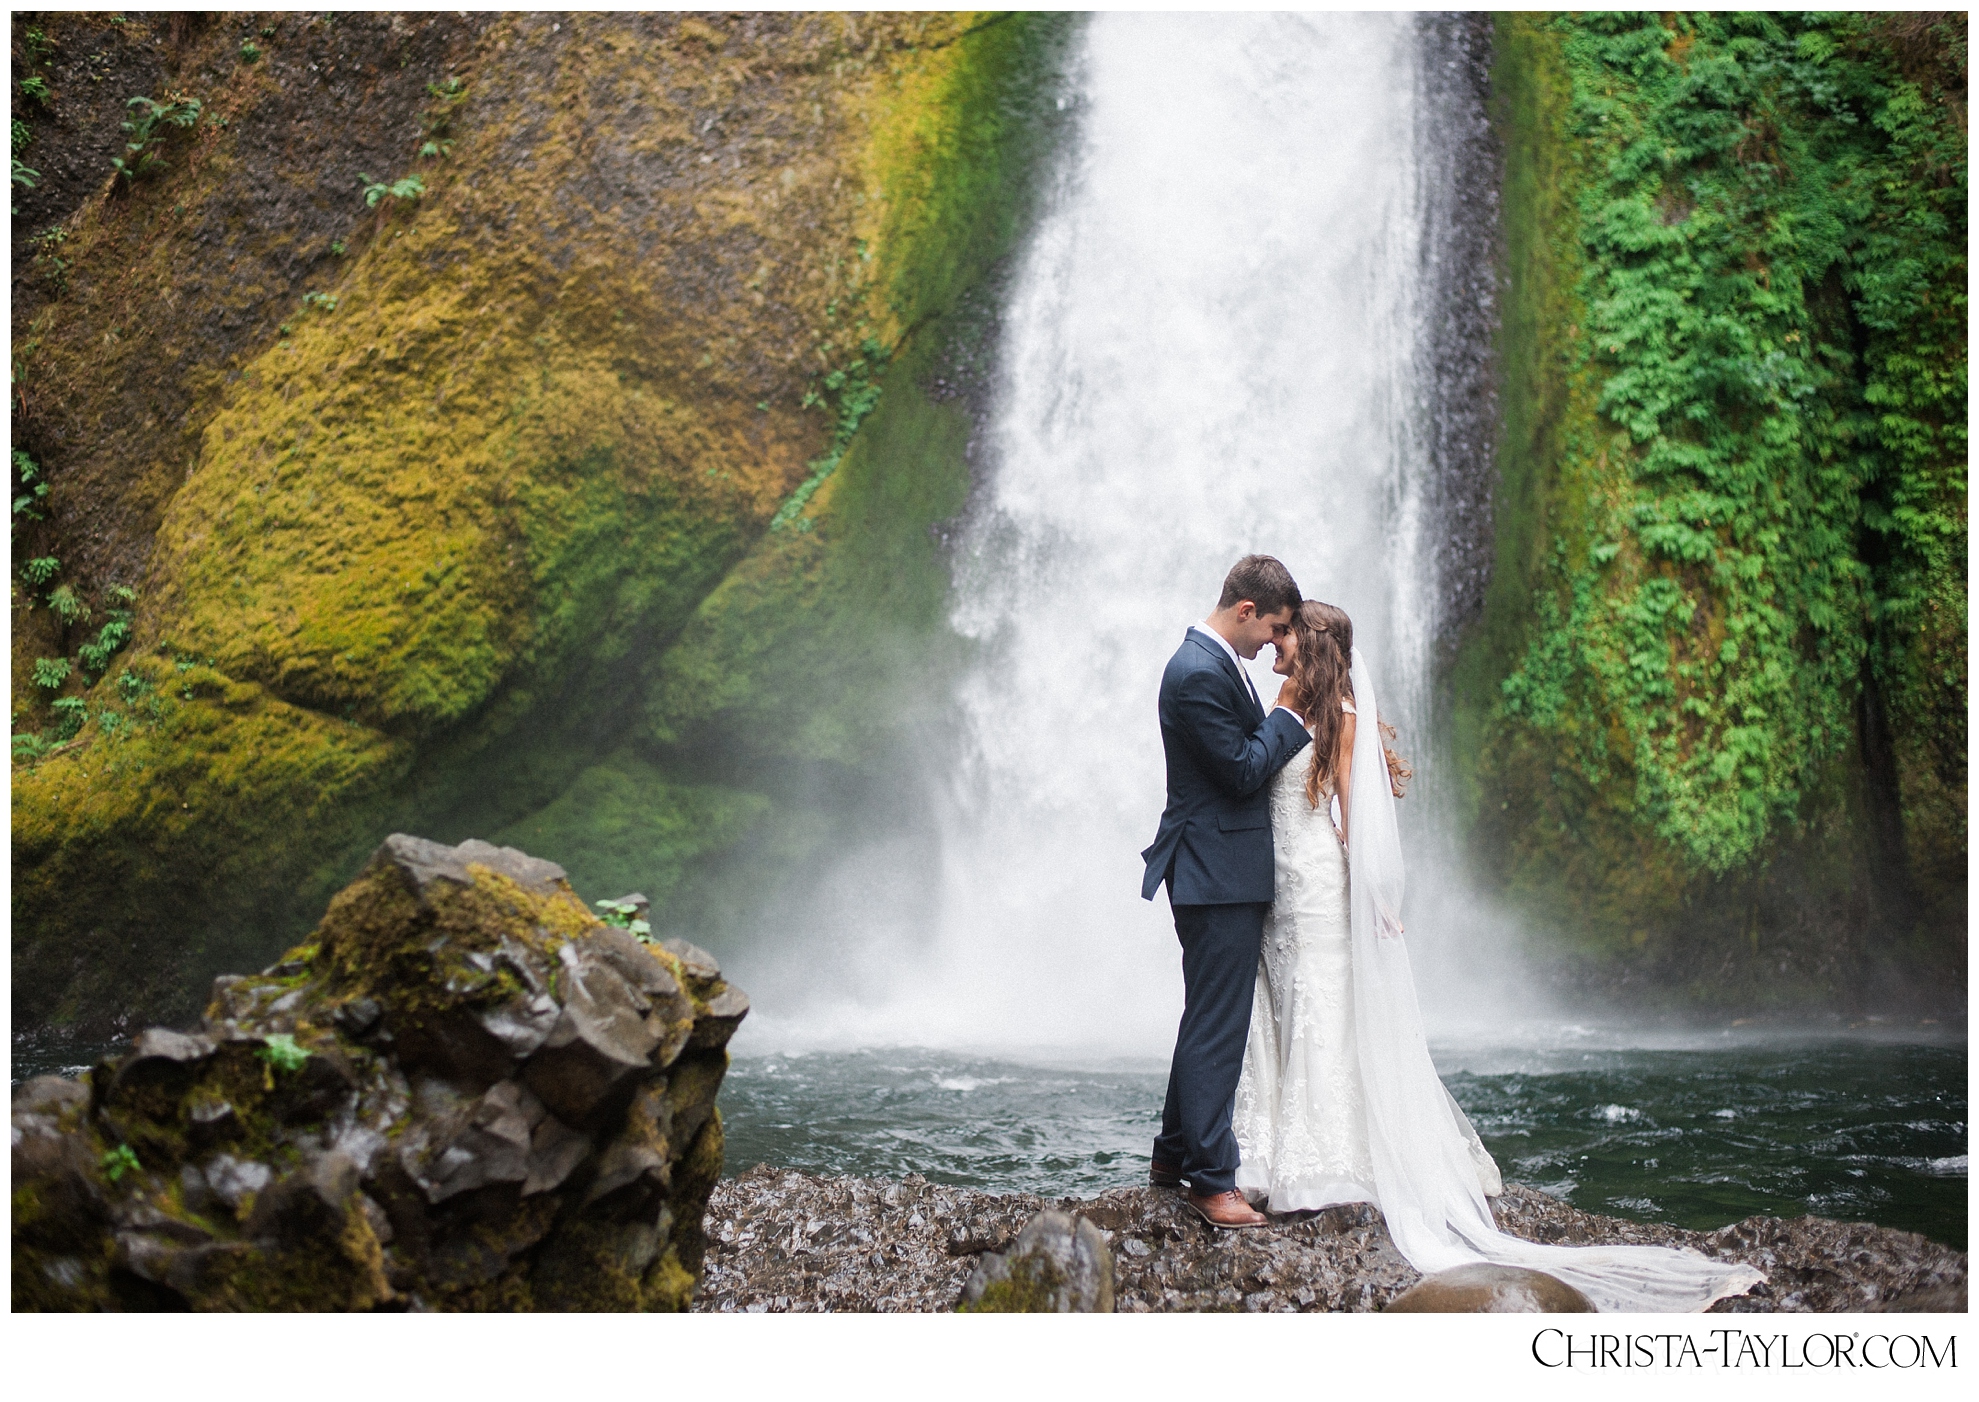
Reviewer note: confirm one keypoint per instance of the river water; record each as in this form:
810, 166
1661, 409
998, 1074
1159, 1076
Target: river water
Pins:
1697, 1136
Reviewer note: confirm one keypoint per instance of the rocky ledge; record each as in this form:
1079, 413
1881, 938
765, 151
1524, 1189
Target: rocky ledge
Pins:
465, 1092
787, 1241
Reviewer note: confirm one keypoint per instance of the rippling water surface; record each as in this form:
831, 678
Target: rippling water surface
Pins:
1698, 1138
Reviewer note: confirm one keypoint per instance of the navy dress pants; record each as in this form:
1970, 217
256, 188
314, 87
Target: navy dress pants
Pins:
1219, 975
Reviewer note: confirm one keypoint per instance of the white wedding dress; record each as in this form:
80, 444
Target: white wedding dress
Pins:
1338, 1100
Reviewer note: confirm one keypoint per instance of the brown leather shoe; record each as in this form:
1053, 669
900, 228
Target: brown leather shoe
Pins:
1164, 1175
1227, 1211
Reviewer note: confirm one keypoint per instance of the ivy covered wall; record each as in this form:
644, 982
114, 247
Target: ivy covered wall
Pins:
1713, 717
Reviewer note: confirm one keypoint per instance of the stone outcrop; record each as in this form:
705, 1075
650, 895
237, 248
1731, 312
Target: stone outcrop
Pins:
465, 1092
1059, 1264
1485, 1289
780, 1240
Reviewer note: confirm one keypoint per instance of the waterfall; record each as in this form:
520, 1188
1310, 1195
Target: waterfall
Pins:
1210, 347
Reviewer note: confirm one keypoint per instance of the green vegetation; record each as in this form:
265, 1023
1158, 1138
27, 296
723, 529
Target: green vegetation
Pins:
851, 392
119, 1161
95, 655
436, 122
35, 89
151, 124
624, 915
282, 1054
29, 489
1733, 504
250, 51
24, 177
410, 187
68, 605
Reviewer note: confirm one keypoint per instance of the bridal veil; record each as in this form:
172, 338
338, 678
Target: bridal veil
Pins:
1426, 1172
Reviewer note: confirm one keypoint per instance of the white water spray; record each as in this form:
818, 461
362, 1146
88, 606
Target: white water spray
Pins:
1208, 351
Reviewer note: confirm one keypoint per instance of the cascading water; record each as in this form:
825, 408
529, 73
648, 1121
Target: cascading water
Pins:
1210, 348
1256, 313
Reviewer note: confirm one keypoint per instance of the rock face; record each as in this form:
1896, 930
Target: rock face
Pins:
779, 1240
464, 1093
1484, 1289
496, 467
1059, 1264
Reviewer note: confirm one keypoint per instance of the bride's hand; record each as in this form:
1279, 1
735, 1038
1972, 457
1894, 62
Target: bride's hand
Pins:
1288, 696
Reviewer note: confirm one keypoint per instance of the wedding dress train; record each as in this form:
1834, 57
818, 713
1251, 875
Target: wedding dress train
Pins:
1338, 1100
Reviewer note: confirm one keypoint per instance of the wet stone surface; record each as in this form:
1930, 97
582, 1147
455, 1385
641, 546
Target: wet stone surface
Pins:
464, 1093
784, 1241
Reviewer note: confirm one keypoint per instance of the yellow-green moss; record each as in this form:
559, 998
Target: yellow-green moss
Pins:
428, 543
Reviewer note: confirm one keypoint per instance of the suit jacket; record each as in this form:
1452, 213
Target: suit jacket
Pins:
1214, 843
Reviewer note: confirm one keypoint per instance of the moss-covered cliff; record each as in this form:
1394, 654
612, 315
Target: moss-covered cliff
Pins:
508, 423
1713, 716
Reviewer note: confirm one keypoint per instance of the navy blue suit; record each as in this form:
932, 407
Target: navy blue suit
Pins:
1213, 848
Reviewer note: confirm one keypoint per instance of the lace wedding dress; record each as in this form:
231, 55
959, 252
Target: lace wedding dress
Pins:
1338, 1100
1301, 1115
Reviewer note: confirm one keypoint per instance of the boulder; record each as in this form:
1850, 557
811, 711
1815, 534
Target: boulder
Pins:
1487, 1289
1059, 1264
464, 1092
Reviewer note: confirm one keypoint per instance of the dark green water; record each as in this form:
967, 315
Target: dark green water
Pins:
1859, 1130
1698, 1138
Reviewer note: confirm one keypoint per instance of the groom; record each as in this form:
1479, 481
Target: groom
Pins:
1214, 851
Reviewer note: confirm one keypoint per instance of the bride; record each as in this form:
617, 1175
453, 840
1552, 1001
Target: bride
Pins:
1338, 1101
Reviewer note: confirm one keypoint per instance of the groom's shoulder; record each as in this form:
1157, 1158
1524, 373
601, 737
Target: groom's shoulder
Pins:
1191, 656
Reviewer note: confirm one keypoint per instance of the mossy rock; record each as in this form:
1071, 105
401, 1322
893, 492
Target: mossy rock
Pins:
1058, 1264
420, 548
465, 1092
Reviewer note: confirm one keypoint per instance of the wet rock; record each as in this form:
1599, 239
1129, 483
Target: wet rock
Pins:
234, 1182
210, 1121
698, 964
779, 1240
422, 863
599, 1044
720, 1016
364, 1125
159, 1049
635, 1163
358, 1016
48, 1098
1488, 1289
491, 1146
1059, 1264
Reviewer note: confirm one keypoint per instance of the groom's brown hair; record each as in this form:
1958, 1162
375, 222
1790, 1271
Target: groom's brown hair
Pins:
1262, 580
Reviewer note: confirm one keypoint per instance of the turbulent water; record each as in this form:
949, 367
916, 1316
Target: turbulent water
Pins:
1696, 1136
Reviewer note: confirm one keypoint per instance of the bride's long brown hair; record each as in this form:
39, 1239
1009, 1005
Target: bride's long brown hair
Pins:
1321, 672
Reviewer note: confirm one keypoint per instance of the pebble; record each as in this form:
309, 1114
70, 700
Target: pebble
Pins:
910, 1246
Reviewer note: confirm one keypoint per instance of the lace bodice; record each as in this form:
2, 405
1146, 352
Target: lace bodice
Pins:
1300, 1117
